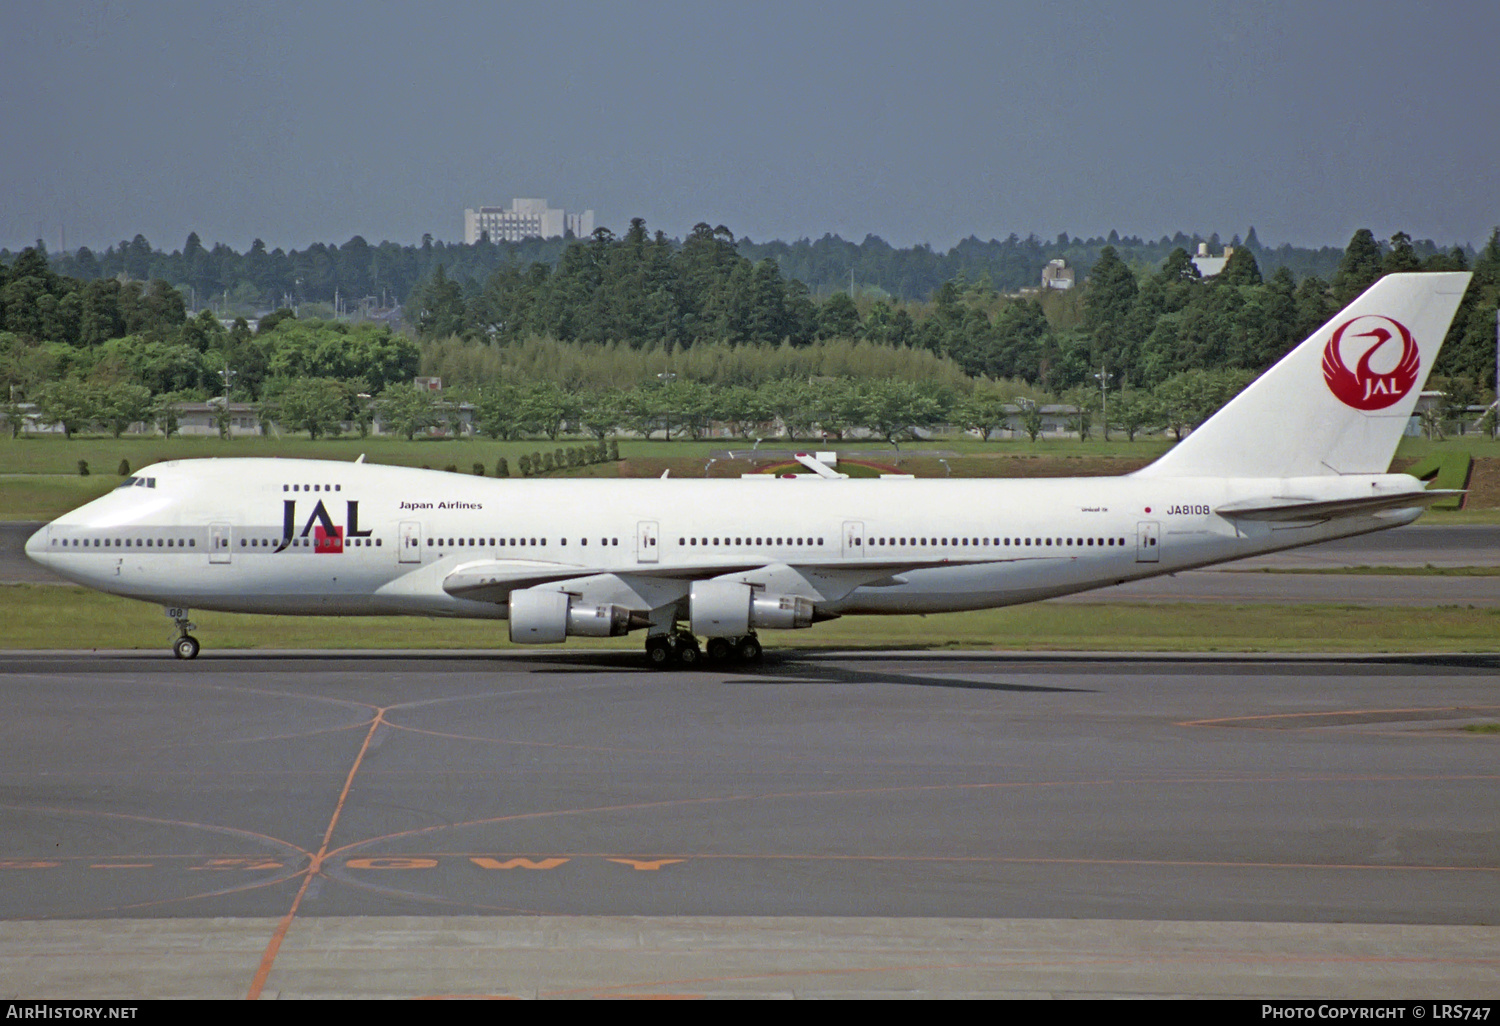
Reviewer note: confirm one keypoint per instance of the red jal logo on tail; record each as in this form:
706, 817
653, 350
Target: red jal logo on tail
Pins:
1364, 387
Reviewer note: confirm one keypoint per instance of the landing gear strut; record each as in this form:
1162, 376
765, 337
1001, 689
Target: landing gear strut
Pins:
741, 650
659, 651
747, 649
681, 650
186, 646
689, 654
668, 650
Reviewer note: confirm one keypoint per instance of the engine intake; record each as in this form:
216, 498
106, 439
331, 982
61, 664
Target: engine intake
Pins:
540, 617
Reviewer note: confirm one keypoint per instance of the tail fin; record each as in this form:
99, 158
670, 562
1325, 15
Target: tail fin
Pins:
1339, 402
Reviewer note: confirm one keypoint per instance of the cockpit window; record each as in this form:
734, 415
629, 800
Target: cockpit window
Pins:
138, 482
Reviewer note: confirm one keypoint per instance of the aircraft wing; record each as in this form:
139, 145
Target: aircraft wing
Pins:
492, 580
1291, 508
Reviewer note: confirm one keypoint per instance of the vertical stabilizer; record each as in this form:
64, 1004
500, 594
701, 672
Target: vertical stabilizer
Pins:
1339, 402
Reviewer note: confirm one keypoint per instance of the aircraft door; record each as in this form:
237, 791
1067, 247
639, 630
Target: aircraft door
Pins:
410, 550
1147, 538
646, 548
220, 543
854, 539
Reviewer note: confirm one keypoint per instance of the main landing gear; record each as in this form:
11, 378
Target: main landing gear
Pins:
186, 646
680, 650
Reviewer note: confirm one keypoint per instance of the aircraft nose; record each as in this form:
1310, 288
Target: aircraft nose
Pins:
36, 546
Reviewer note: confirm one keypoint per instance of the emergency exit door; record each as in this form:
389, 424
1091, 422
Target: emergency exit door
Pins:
1147, 542
854, 539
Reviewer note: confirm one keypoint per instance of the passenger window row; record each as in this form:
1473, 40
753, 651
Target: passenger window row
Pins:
312, 488
742, 541
993, 542
125, 543
354, 543
460, 543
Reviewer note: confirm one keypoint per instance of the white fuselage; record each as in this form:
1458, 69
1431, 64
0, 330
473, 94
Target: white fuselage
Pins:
316, 537
1298, 457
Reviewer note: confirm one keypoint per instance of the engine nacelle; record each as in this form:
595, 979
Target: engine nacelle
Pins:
729, 609
781, 612
539, 617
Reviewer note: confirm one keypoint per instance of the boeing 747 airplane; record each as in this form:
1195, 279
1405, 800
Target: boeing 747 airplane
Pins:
1299, 457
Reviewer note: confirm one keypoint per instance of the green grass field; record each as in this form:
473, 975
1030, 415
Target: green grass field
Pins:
39, 476
39, 480
63, 617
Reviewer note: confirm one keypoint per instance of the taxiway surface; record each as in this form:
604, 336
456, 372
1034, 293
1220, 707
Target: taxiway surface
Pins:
566, 824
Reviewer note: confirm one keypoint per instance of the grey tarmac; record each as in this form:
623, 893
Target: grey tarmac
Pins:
877, 824
1415, 546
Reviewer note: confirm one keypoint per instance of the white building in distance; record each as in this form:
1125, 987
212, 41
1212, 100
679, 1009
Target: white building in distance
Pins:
1057, 275
1208, 266
524, 219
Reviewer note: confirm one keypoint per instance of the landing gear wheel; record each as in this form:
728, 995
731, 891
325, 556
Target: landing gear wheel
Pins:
748, 649
720, 649
659, 652
185, 647
689, 655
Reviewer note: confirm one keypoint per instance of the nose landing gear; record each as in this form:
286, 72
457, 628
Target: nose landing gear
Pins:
186, 646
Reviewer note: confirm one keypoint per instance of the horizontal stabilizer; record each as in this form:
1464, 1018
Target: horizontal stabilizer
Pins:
1289, 508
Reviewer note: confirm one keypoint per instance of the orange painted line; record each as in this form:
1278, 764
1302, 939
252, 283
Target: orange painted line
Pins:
1341, 712
516, 863
544, 744
392, 862
430, 860
222, 864
98, 911
646, 866
123, 865
235, 832
668, 803
246, 861
268, 959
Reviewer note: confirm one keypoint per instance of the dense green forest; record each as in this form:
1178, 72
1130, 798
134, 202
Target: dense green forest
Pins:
624, 332
1136, 326
265, 278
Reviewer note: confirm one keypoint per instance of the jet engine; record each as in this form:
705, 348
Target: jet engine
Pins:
729, 609
540, 617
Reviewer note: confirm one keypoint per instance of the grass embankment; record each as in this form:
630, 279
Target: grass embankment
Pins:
59, 617
39, 476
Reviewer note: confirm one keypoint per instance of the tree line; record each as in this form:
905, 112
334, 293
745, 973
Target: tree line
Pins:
638, 314
264, 277
1127, 325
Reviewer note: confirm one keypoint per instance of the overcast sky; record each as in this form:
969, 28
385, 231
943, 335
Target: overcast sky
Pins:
297, 122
